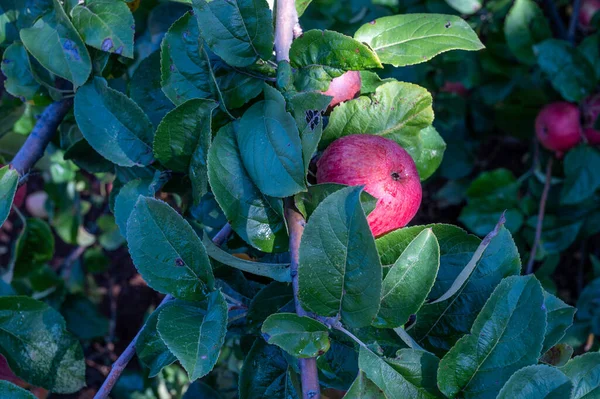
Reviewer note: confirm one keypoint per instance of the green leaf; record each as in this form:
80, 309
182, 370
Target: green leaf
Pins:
191, 70
322, 55
106, 25
301, 337
151, 349
181, 132
569, 72
364, 388
412, 374
127, 198
398, 111
537, 381
20, 81
466, 7
274, 298
524, 27
506, 336
301, 6
84, 319
427, 150
62, 51
238, 31
408, 282
194, 332
308, 109
113, 124
559, 318
9, 181
465, 274
584, 372
590, 48
37, 346
35, 247
307, 201
581, 174
270, 147
558, 355
257, 219
11, 391
167, 252
339, 270
414, 38
276, 271
146, 90
265, 374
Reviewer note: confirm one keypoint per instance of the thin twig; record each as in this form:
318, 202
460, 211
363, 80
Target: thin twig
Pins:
37, 141
119, 365
555, 16
573, 21
540, 220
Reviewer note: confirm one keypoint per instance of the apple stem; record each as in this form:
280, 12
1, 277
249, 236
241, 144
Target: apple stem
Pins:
121, 363
573, 21
540, 218
43, 131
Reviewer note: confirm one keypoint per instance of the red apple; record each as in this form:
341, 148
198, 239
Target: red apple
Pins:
455, 87
557, 127
385, 169
592, 136
587, 11
344, 87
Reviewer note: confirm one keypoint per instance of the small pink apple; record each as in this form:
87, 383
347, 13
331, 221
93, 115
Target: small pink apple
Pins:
385, 169
557, 127
587, 11
455, 87
344, 87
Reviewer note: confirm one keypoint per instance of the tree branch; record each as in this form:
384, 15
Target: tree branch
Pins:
573, 22
555, 16
540, 219
121, 363
40, 136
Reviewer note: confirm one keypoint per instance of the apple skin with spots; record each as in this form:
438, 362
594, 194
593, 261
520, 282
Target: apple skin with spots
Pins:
344, 88
558, 127
386, 171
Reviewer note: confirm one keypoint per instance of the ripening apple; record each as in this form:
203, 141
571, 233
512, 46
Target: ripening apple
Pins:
385, 169
587, 10
344, 88
557, 127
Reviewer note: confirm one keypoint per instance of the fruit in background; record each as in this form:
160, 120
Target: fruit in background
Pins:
587, 10
591, 111
557, 127
385, 169
456, 88
36, 204
344, 87
592, 136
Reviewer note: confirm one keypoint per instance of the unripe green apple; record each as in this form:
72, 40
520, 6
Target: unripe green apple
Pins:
386, 171
344, 87
558, 128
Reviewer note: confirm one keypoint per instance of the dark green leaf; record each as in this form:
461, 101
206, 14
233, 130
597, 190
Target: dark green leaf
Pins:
37, 346
590, 48
427, 150
276, 271
150, 347
412, 374
126, 200
308, 201
9, 180
194, 332
339, 270
581, 174
20, 81
409, 281
106, 25
146, 90
559, 318
301, 337
275, 297
398, 111
62, 51
414, 38
113, 124
537, 381
265, 374
35, 247
270, 147
525, 26
584, 372
9, 390
569, 72
257, 219
182, 132
238, 31
364, 388
167, 252
84, 319
558, 355
506, 336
